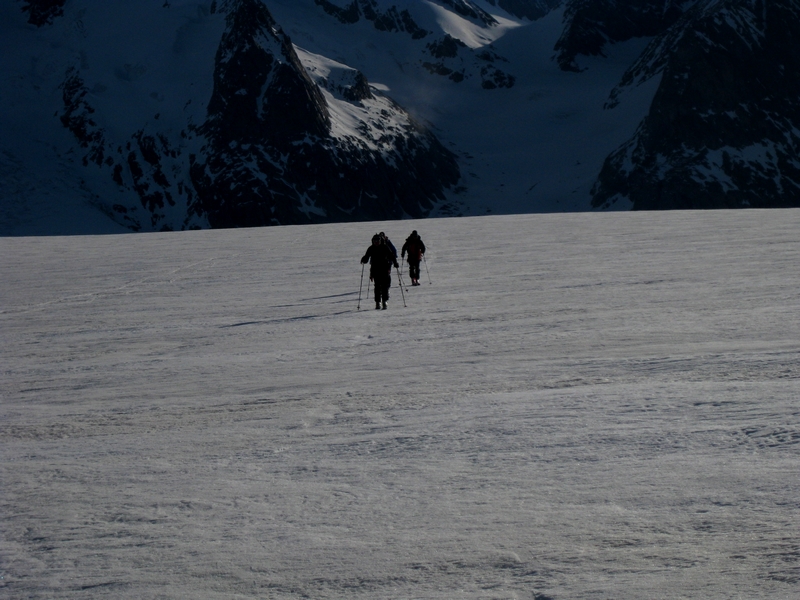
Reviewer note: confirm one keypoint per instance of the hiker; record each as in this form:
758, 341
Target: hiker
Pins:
416, 249
380, 260
389, 243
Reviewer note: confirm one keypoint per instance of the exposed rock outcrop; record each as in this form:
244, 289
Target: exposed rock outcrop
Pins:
42, 12
391, 19
724, 126
273, 156
282, 142
527, 9
592, 24
451, 58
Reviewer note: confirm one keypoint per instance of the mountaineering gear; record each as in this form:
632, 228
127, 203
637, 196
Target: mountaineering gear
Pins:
389, 243
360, 286
381, 259
416, 252
426, 270
402, 285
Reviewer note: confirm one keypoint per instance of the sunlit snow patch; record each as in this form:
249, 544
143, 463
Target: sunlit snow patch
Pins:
472, 34
369, 119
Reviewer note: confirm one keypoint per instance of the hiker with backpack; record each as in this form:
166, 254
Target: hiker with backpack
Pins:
389, 243
380, 258
415, 249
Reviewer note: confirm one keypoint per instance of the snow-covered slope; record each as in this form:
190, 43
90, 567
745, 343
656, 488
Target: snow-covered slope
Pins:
577, 406
167, 115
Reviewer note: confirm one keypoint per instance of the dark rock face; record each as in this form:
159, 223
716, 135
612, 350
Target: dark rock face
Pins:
441, 52
470, 11
527, 9
449, 57
591, 24
389, 20
267, 152
393, 19
42, 12
447, 47
252, 55
271, 156
141, 164
77, 118
352, 86
452, 58
724, 126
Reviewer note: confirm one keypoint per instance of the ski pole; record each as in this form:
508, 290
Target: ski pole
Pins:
400, 281
361, 285
400, 277
426, 269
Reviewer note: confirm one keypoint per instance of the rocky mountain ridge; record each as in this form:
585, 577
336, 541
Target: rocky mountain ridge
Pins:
266, 153
271, 154
248, 128
724, 125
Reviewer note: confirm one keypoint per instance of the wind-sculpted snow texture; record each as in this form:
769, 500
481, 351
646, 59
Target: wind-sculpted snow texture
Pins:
724, 126
577, 406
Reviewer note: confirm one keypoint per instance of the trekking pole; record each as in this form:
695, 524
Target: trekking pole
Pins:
361, 285
400, 281
400, 277
426, 269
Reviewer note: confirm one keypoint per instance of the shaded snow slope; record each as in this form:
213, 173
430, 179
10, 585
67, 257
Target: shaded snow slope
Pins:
585, 405
133, 85
192, 114
536, 145
182, 115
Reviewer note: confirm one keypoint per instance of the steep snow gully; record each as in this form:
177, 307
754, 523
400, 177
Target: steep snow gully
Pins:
578, 406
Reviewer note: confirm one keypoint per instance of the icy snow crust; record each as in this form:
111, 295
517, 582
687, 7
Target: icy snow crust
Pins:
578, 406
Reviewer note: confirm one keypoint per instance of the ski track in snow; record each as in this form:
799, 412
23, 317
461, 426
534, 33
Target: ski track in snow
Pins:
578, 406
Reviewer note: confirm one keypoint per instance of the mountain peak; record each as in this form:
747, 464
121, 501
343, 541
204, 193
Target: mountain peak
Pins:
261, 90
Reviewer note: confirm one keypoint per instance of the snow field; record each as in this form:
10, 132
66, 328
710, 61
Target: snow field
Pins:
578, 406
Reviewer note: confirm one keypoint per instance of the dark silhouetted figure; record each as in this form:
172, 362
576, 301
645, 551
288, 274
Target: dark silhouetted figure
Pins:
415, 249
380, 259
